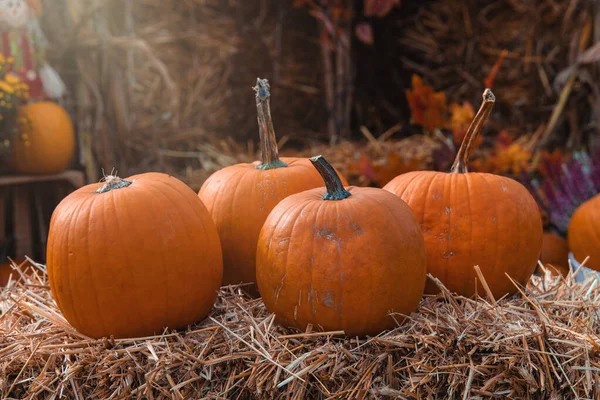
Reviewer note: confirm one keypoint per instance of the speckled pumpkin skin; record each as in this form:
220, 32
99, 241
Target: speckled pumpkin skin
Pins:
472, 219
341, 265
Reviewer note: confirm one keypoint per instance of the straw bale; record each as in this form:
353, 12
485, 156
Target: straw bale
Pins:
542, 343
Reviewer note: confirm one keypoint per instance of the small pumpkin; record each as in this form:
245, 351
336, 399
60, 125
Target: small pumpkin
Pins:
241, 196
555, 254
583, 233
129, 257
46, 142
341, 260
472, 219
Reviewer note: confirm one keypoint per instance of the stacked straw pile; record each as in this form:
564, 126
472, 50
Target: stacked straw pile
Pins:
542, 343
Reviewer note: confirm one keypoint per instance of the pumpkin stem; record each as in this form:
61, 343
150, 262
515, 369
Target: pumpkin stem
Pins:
112, 182
268, 141
462, 158
333, 183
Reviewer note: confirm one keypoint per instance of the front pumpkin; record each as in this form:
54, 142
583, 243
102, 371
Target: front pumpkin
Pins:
472, 219
240, 197
343, 261
130, 257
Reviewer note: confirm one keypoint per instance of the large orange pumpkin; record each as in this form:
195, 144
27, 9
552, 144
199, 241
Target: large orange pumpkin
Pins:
46, 143
341, 261
555, 254
240, 197
584, 233
130, 257
473, 219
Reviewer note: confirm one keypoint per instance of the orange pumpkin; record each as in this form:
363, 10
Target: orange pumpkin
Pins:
47, 140
473, 219
341, 261
555, 254
130, 257
584, 233
240, 197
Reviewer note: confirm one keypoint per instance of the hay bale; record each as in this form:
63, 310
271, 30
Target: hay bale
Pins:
543, 343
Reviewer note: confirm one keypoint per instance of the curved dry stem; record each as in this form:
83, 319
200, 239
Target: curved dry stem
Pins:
462, 158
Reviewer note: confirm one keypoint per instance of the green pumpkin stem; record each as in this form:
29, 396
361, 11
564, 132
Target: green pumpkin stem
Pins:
462, 158
113, 182
333, 183
268, 141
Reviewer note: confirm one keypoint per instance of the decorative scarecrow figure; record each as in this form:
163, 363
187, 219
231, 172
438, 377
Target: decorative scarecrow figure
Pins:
24, 42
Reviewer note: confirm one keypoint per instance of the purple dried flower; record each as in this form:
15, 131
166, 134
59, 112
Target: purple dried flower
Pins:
565, 186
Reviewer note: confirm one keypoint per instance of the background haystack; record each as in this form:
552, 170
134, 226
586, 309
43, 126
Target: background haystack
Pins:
165, 85
156, 85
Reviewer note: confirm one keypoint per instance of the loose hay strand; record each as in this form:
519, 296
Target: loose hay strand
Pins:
546, 345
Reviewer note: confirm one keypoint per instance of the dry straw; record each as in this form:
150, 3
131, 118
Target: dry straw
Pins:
542, 343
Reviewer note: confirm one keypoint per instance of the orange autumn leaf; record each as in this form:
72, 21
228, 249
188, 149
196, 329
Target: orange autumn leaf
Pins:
461, 117
555, 158
428, 108
515, 159
503, 140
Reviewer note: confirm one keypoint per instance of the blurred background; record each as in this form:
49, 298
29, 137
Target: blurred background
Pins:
380, 87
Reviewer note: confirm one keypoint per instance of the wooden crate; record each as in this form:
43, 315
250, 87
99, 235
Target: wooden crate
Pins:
26, 204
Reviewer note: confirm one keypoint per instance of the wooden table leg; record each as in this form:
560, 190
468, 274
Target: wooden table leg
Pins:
22, 221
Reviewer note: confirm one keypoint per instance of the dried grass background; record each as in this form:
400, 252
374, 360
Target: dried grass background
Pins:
166, 85
543, 343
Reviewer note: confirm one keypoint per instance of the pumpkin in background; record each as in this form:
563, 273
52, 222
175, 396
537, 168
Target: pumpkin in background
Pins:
584, 233
46, 141
241, 196
341, 261
555, 254
130, 257
472, 219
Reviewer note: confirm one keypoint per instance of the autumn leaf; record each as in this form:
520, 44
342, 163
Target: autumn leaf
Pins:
503, 140
364, 33
515, 159
379, 8
461, 117
428, 108
551, 161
